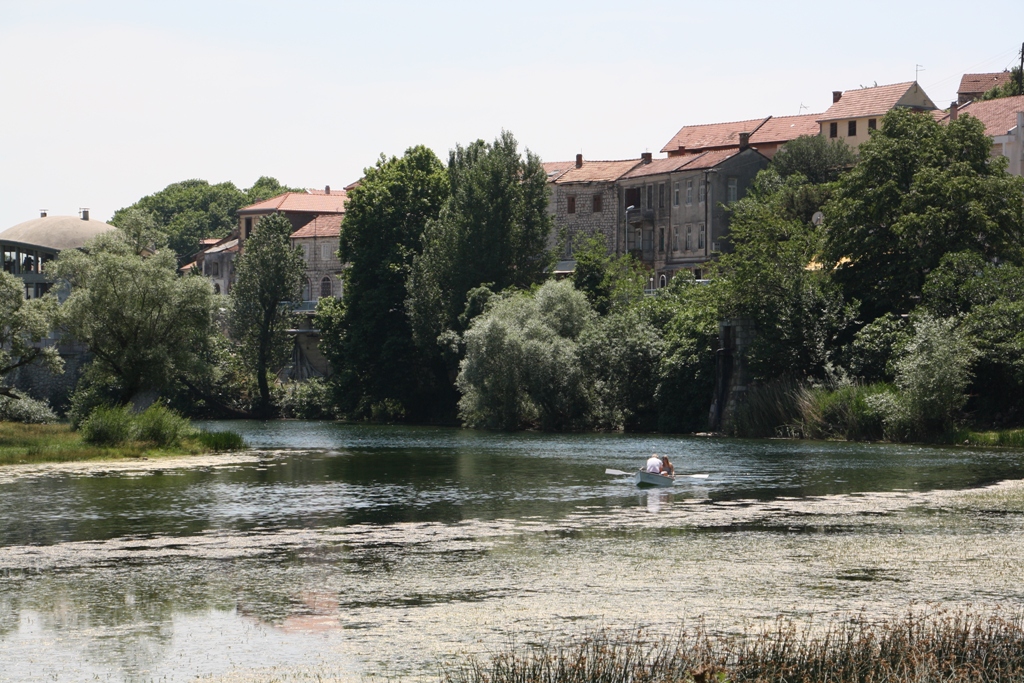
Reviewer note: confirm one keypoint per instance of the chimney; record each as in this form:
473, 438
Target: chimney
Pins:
84, 214
645, 158
327, 189
42, 213
579, 161
954, 110
836, 96
744, 141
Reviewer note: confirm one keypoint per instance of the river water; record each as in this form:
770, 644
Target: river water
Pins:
357, 552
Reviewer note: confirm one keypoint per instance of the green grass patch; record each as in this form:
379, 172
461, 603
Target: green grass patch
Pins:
43, 443
1008, 438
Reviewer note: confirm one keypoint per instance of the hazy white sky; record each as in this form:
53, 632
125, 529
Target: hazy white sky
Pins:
102, 102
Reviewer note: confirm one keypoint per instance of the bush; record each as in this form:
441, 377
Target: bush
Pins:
114, 426
26, 410
221, 441
852, 412
309, 400
162, 426
107, 426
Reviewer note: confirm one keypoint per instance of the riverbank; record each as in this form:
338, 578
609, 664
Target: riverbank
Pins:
29, 444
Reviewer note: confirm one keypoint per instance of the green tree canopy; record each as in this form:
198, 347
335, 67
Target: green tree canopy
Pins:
269, 274
920, 190
23, 324
143, 323
813, 156
494, 228
192, 210
368, 337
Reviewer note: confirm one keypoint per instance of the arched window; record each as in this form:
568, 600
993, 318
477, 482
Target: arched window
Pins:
662, 281
307, 291
325, 287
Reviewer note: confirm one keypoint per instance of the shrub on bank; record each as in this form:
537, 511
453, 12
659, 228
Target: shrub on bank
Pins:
221, 441
26, 411
157, 425
309, 400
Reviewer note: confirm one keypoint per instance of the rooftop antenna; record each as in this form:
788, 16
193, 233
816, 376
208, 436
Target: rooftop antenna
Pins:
918, 68
802, 107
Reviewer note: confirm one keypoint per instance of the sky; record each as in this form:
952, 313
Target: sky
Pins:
104, 102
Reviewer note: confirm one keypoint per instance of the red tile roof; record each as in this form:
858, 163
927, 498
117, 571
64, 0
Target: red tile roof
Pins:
863, 102
786, 128
999, 116
711, 135
310, 201
658, 166
325, 225
976, 84
555, 169
598, 171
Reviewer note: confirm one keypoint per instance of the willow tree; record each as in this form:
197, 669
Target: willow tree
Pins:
141, 321
23, 325
269, 275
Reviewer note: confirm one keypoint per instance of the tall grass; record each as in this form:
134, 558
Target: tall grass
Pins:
952, 648
157, 425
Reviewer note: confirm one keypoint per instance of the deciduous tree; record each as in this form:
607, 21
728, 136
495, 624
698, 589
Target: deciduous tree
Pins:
269, 275
367, 336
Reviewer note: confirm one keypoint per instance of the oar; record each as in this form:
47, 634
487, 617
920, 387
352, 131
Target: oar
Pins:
620, 473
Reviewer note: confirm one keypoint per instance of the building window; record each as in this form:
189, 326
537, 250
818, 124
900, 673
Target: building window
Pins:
731, 190
325, 287
598, 206
650, 196
325, 251
248, 228
700, 236
675, 239
661, 195
833, 130
675, 194
570, 204
661, 239
307, 291
305, 252
702, 192
689, 238
689, 192
216, 268
872, 124
851, 129
662, 281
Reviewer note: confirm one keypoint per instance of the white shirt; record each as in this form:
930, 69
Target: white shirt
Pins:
654, 464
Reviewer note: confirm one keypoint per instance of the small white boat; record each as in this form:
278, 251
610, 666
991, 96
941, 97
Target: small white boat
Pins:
642, 478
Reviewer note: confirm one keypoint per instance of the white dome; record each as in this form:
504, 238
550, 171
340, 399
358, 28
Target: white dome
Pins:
55, 232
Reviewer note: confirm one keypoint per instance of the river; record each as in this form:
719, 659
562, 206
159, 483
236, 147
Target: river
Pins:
356, 552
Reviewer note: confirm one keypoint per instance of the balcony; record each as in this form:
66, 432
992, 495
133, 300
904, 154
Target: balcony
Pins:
635, 216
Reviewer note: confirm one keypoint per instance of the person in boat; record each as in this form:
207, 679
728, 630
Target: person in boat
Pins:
667, 468
654, 464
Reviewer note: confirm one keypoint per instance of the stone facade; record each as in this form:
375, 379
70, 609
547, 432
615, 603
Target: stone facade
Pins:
731, 376
586, 201
323, 267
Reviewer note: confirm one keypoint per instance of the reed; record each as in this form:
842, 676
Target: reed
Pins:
949, 647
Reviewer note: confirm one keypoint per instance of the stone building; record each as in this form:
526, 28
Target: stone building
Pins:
675, 215
585, 201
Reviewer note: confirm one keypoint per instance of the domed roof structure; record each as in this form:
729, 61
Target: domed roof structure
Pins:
55, 232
